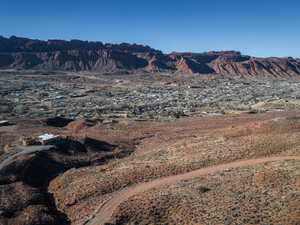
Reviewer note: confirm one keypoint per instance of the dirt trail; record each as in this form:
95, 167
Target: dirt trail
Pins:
105, 211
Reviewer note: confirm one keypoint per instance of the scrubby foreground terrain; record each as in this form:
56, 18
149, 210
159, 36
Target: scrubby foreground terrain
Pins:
154, 164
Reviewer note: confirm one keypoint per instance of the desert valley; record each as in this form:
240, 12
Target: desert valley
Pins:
94, 133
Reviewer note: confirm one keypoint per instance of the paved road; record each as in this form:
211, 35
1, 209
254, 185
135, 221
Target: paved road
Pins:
24, 151
8, 128
105, 211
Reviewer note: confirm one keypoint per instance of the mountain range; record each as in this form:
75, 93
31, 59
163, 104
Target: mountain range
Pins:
77, 55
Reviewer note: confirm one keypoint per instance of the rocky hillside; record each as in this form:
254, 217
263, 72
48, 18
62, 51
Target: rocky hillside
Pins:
76, 55
24, 177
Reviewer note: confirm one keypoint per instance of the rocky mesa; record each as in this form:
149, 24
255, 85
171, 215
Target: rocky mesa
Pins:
76, 55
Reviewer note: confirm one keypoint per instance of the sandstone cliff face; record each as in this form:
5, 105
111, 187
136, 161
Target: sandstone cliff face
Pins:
158, 62
18, 44
234, 64
73, 60
76, 55
190, 65
276, 67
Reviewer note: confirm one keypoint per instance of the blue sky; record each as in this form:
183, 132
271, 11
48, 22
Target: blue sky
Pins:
256, 27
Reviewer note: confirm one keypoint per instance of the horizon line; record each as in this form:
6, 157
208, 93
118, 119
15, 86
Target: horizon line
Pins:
148, 45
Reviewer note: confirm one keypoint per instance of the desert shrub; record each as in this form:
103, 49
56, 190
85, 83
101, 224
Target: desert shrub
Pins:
271, 144
177, 114
202, 189
285, 126
239, 133
293, 118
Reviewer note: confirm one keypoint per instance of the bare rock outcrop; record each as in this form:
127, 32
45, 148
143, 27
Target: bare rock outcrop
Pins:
76, 55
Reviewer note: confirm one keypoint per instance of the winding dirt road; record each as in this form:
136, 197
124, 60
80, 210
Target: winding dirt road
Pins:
105, 211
